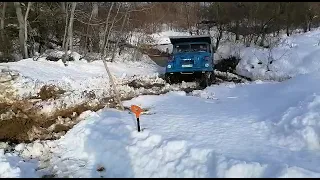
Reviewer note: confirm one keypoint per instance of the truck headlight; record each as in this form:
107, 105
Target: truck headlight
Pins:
169, 66
206, 65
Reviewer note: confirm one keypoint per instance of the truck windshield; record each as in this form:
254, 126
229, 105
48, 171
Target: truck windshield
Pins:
191, 48
199, 47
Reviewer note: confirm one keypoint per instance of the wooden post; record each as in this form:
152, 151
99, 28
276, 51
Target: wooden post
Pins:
113, 85
138, 124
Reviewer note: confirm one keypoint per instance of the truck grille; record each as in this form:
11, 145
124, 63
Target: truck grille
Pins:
187, 62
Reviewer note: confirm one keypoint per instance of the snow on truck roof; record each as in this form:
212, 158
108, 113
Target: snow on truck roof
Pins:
182, 39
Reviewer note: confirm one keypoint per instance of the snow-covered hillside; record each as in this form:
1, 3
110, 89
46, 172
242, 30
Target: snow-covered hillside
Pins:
258, 129
288, 57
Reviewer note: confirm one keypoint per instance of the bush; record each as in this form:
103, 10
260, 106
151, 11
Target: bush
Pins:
227, 65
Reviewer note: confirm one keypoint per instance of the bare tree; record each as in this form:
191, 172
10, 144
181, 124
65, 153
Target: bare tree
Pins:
69, 39
113, 56
64, 9
22, 26
3, 16
93, 15
70, 30
187, 16
102, 49
106, 46
119, 37
26, 28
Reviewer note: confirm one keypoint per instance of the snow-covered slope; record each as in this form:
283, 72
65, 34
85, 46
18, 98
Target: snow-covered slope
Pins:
256, 130
290, 56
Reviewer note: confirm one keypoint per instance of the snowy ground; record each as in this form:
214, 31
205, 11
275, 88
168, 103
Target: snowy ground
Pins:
261, 129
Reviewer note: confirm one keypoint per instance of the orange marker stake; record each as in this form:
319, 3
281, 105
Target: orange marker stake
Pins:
137, 111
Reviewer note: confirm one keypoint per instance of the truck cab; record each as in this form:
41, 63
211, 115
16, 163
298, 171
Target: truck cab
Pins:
191, 56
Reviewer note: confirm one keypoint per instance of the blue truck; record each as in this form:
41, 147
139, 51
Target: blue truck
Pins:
191, 58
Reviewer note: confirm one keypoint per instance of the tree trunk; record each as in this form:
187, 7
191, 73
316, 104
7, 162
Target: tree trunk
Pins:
95, 10
219, 37
113, 85
95, 39
102, 49
64, 8
3, 16
26, 27
21, 30
94, 14
69, 39
118, 39
305, 27
106, 46
263, 37
108, 71
187, 13
237, 30
70, 30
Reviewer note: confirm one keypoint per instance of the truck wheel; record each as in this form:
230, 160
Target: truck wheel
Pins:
213, 78
206, 79
168, 78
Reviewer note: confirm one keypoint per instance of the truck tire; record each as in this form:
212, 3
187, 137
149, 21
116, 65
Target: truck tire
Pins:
213, 78
172, 78
206, 79
168, 78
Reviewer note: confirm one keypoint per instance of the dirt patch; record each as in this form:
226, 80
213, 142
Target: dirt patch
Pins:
4, 107
15, 122
50, 92
21, 121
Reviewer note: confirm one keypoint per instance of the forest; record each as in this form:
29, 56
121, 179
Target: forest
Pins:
28, 29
